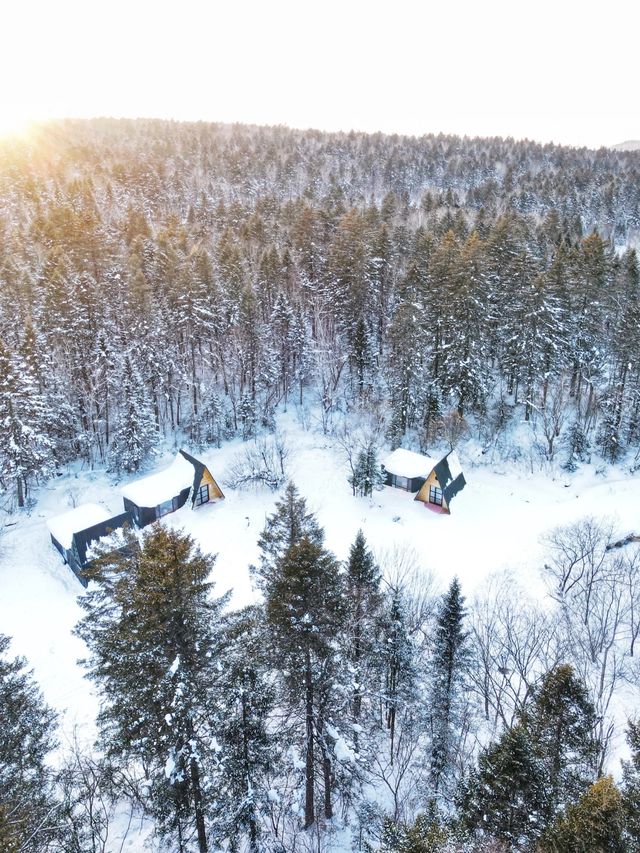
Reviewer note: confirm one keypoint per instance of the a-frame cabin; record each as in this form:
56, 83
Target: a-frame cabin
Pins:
444, 482
160, 494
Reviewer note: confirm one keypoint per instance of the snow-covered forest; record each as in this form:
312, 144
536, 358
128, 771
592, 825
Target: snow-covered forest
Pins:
165, 283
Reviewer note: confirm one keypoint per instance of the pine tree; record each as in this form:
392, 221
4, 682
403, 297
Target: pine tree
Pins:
30, 816
561, 722
247, 416
290, 522
151, 629
364, 600
505, 797
543, 762
594, 824
577, 446
26, 451
247, 744
213, 421
305, 610
449, 668
367, 473
398, 666
134, 434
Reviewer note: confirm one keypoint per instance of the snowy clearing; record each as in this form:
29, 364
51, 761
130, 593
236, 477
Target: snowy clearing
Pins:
496, 523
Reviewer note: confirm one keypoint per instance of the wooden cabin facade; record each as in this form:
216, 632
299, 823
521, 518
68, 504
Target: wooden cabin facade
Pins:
160, 494
444, 482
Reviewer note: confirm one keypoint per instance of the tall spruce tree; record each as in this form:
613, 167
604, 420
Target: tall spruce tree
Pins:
367, 472
561, 723
539, 765
449, 668
30, 816
249, 748
398, 674
134, 434
305, 608
505, 798
151, 627
26, 449
290, 522
364, 602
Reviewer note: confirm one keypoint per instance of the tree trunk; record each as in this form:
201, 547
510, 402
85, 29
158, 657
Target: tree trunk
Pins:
253, 825
326, 770
198, 806
309, 813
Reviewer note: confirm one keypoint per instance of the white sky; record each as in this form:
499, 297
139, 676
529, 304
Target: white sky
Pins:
553, 71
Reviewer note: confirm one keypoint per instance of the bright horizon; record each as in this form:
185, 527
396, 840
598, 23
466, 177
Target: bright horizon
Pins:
553, 74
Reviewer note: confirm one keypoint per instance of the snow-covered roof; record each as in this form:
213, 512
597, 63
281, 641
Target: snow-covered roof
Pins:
454, 464
154, 490
406, 463
62, 527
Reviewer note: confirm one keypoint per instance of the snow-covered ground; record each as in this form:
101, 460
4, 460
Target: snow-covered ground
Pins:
497, 522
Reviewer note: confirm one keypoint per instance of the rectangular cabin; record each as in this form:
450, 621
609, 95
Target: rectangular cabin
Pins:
407, 470
76, 533
160, 494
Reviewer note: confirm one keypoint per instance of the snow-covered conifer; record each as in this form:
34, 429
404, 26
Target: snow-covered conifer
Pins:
26, 449
30, 816
449, 666
152, 631
134, 434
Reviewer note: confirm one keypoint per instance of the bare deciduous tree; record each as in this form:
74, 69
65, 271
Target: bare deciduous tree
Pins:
515, 643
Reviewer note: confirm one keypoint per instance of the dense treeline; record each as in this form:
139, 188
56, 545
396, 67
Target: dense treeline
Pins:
352, 707
157, 276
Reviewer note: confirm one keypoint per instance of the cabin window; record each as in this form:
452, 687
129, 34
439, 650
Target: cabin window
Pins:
435, 495
165, 508
203, 495
401, 482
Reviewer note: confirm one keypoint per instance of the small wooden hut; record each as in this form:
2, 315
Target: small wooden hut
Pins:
160, 494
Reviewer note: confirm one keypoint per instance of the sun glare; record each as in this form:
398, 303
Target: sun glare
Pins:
15, 125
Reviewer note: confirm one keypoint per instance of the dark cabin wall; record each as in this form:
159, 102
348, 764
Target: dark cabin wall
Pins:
414, 484
144, 515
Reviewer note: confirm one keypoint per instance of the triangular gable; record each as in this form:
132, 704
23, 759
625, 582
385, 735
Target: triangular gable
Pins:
202, 475
448, 476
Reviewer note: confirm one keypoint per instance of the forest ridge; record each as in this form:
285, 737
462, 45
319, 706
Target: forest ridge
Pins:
211, 271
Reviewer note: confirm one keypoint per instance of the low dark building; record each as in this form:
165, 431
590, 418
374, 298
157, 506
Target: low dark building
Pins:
76, 534
407, 470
